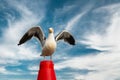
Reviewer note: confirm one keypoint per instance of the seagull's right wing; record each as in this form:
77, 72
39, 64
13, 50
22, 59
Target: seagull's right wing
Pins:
66, 36
36, 32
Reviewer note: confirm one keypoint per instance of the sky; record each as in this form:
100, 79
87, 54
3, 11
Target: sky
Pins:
93, 23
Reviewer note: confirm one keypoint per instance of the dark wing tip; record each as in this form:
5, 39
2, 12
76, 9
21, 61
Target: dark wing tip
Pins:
73, 43
18, 44
70, 39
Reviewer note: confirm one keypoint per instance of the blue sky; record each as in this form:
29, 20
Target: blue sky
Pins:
93, 23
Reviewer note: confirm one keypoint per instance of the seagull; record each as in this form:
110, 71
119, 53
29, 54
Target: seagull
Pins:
48, 44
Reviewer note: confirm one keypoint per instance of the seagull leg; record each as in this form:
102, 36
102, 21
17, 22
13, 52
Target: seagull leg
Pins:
44, 57
51, 57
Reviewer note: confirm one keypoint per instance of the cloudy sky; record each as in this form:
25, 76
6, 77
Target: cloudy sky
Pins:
95, 24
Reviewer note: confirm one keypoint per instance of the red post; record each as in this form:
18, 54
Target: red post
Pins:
46, 71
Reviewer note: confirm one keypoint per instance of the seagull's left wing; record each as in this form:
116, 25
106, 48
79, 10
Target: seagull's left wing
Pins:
66, 36
34, 31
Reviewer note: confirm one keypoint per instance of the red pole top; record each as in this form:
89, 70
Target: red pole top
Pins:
46, 71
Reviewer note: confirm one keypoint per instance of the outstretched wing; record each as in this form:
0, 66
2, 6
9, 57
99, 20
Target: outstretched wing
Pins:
66, 36
36, 32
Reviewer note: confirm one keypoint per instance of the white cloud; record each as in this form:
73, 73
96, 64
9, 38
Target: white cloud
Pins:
65, 9
3, 70
32, 68
74, 20
77, 18
110, 39
10, 52
105, 65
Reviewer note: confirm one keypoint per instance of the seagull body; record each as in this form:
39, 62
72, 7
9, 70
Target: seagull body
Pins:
48, 44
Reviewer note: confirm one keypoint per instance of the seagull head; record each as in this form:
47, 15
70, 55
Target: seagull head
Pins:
51, 30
